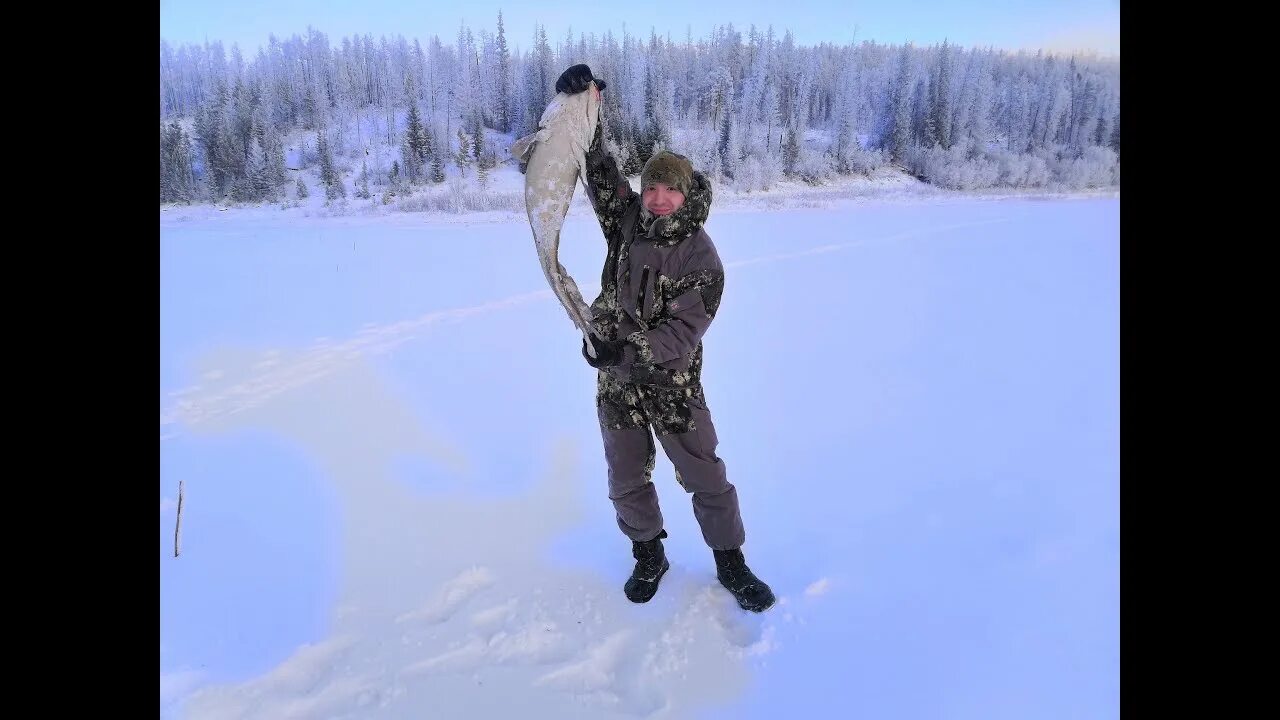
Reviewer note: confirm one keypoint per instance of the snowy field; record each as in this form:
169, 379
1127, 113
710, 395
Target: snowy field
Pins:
394, 488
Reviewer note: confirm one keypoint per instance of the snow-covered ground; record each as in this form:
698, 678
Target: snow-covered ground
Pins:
395, 502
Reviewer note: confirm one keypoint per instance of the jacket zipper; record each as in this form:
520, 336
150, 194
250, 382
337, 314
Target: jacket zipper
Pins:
644, 286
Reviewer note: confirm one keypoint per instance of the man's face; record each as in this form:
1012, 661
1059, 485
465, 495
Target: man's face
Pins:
662, 199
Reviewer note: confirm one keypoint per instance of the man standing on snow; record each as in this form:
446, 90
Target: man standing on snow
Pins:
659, 291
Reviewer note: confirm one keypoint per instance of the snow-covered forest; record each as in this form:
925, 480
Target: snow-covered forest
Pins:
382, 118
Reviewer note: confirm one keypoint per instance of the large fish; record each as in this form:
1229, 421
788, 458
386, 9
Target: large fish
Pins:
556, 157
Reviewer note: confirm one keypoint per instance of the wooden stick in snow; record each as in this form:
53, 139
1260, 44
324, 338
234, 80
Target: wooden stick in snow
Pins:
177, 527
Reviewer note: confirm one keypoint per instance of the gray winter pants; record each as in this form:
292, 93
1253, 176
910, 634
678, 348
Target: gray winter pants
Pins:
682, 421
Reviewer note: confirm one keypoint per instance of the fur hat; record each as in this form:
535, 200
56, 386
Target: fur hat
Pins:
668, 168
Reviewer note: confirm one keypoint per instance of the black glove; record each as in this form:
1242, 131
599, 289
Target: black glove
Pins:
608, 352
576, 79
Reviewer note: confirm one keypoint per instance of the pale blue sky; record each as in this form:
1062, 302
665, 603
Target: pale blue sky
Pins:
1061, 25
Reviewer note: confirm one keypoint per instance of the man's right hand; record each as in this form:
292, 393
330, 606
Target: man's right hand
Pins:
608, 352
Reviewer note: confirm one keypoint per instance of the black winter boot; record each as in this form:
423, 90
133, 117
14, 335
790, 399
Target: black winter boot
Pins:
651, 565
732, 571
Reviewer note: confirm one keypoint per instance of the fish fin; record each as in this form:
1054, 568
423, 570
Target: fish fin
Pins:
522, 149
